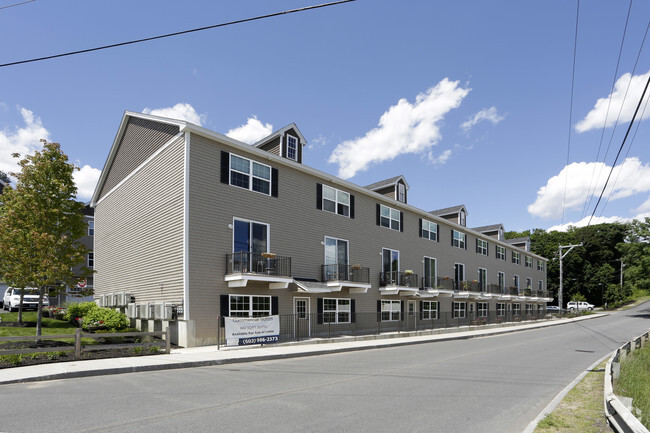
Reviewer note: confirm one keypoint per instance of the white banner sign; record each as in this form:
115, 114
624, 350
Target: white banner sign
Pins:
241, 331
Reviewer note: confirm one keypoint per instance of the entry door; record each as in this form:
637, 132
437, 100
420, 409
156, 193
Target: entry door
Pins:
301, 318
411, 315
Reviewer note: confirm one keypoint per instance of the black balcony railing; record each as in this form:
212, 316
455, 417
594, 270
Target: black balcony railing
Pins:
445, 284
395, 278
348, 273
258, 264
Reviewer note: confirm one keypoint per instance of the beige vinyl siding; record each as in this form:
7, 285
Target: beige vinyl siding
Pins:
139, 232
141, 139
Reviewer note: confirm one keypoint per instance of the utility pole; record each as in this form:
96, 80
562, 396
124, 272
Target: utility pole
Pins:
559, 293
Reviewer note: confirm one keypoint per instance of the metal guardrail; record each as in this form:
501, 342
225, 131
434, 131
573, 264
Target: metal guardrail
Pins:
618, 415
78, 348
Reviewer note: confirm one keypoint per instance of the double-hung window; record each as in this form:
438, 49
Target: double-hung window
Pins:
336, 201
501, 309
292, 147
249, 306
91, 228
540, 265
250, 175
516, 309
459, 310
516, 258
429, 230
429, 310
336, 310
390, 310
501, 253
482, 247
91, 259
529, 262
389, 217
458, 239
529, 309
482, 309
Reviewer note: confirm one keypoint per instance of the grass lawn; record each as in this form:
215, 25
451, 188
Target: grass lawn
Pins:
50, 327
634, 382
581, 410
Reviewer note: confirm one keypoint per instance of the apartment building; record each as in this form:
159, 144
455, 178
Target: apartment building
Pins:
193, 225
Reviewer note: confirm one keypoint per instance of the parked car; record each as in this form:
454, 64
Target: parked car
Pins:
580, 306
552, 308
11, 299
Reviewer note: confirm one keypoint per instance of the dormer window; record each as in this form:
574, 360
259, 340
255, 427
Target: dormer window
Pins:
462, 220
292, 147
401, 194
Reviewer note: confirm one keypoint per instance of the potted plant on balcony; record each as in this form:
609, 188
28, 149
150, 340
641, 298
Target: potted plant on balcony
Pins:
408, 272
356, 267
268, 255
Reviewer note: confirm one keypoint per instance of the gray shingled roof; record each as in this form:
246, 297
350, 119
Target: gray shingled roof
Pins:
518, 240
449, 210
489, 228
383, 183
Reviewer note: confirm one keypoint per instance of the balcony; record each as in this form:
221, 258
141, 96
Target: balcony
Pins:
398, 283
243, 267
507, 293
356, 278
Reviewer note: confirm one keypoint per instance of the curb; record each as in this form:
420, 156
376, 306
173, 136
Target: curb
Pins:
388, 340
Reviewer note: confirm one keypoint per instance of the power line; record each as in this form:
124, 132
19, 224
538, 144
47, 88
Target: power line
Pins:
589, 197
573, 77
620, 148
17, 4
176, 33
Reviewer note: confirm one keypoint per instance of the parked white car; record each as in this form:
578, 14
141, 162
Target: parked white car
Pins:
580, 306
11, 299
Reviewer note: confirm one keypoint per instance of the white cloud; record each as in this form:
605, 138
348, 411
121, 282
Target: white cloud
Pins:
404, 128
629, 178
86, 179
599, 117
583, 223
440, 159
251, 132
23, 140
489, 114
26, 140
180, 111
645, 207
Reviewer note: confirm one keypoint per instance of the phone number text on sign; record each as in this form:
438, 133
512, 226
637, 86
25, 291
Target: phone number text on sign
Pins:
242, 331
258, 340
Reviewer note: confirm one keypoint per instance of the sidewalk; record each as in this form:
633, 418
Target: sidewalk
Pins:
210, 355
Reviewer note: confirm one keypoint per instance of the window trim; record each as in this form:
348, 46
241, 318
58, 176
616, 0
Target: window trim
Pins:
249, 222
482, 281
482, 249
501, 282
540, 265
428, 225
390, 218
91, 227
336, 201
516, 309
435, 272
528, 262
516, 257
516, 281
250, 311
501, 253
432, 313
338, 311
288, 137
501, 309
456, 242
482, 312
250, 174
90, 262
391, 312
457, 310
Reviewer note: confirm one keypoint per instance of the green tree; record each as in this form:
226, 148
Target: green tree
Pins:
636, 256
41, 223
5, 177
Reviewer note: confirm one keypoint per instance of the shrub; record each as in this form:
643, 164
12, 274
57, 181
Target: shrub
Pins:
111, 319
79, 309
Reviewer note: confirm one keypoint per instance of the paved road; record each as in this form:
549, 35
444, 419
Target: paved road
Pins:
492, 384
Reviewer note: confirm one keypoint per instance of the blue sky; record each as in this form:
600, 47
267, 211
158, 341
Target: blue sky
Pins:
469, 100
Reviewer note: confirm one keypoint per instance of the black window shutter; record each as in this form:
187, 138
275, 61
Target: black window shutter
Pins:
351, 206
477, 245
274, 305
401, 221
378, 214
378, 310
421, 303
452, 237
487, 249
319, 196
438, 232
420, 227
225, 167
274, 182
401, 309
352, 311
319, 310
225, 307
466, 240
